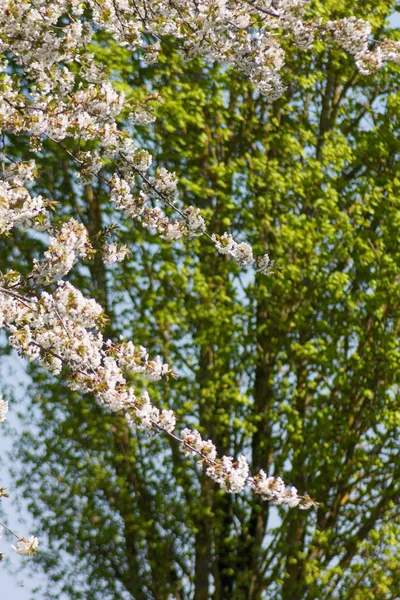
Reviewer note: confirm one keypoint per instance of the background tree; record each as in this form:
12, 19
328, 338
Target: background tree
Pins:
299, 370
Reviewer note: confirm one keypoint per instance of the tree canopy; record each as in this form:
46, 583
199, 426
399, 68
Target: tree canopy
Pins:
289, 359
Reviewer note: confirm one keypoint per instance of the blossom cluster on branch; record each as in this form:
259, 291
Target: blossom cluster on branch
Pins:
64, 103
23, 546
52, 89
59, 330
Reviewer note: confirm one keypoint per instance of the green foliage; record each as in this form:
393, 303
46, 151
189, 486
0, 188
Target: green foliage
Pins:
299, 370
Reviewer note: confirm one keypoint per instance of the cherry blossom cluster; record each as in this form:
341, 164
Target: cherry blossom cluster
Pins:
273, 490
114, 253
3, 409
233, 475
136, 360
70, 244
18, 207
239, 33
354, 36
23, 546
242, 253
59, 330
65, 103
26, 547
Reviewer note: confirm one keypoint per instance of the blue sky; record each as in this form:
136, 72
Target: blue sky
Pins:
15, 584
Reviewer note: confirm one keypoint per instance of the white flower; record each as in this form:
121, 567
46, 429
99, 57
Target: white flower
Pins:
166, 181
173, 231
26, 547
146, 413
157, 369
195, 222
243, 254
229, 475
167, 420
264, 265
114, 253
142, 117
70, 243
193, 443
3, 409
225, 244
291, 497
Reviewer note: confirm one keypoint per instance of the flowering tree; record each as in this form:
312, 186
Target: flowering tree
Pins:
58, 100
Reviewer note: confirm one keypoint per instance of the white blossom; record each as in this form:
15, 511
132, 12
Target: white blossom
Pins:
19, 208
242, 253
3, 409
145, 412
231, 476
195, 222
264, 265
156, 369
225, 244
173, 231
26, 547
192, 442
114, 253
69, 244
166, 182
142, 117
167, 420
